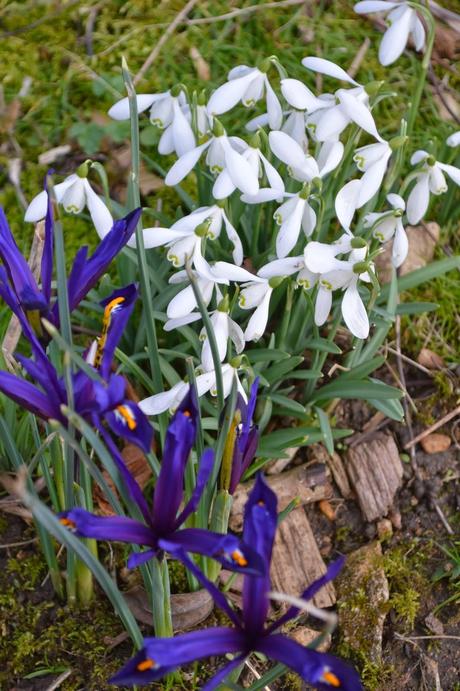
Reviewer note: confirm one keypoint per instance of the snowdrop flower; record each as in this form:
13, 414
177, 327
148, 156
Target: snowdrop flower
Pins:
74, 194
454, 139
303, 166
340, 274
167, 113
348, 105
248, 85
224, 185
430, 179
287, 267
372, 160
170, 400
222, 154
387, 225
224, 328
403, 22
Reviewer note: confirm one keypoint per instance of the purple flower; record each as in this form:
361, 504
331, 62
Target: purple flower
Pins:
250, 632
247, 438
93, 400
30, 302
161, 530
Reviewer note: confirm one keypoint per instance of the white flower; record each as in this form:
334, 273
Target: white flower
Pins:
287, 267
303, 166
339, 274
74, 194
169, 113
222, 154
224, 185
347, 105
256, 294
403, 22
430, 179
248, 85
170, 400
389, 224
224, 328
373, 161
454, 139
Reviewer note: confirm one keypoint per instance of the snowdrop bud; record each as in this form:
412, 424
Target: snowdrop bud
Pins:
430, 160
373, 87
202, 229
265, 65
305, 191
235, 362
397, 213
360, 267
83, 170
276, 281
217, 128
317, 183
398, 142
358, 243
176, 90
202, 98
224, 305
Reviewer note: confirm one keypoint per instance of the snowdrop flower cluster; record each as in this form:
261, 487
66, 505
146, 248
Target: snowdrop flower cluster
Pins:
275, 198
403, 23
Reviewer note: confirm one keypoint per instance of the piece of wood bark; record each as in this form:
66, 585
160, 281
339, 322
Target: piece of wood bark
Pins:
362, 593
308, 483
297, 561
277, 466
340, 475
187, 609
375, 472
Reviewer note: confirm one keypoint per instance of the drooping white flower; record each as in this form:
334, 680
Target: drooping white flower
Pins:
431, 178
373, 161
170, 400
224, 328
246, 85
169, 113
223, 153
402, 20
340, 109
303, 166
74, 194
454, 139
335, 274
288, 267
387, 225
224, 185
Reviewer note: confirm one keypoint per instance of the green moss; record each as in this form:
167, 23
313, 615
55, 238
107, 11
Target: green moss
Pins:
405, 569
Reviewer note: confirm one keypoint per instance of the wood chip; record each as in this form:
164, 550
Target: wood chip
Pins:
436, 443
427, 358
308, 483
297, 561
276, 467
340, 475
306, 636
375, 471
188, 609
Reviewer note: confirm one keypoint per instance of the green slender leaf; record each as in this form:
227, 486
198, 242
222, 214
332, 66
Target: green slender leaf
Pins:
423, 275
362, 370
280, 370
322, 345
416, 307
325, 425
287, 403
266, 355
356, 389
306, 374
392, 408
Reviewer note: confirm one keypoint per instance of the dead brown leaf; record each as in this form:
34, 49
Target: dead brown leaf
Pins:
138, 466
422, 243
430, 360
201, 66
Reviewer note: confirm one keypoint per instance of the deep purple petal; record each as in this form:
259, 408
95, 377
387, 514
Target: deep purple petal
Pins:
86, 272
129, 422
260, 521
132, 487
28, 396
247, 422
46, 273
228, 550
332, 571
161, 655
204, 471
117, 311
117, 528
44, 374
169, 489
321, 670
138, 558
11, 299
223, 673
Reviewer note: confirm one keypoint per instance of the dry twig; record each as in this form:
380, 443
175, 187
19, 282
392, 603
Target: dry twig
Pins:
433, 428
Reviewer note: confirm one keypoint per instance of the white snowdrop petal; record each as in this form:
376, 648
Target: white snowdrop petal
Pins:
286, 149
100, 215
395, 38
156, 237
368, 6
308, 220
437, 181
418, 33
225, 270
331, 122
234, 238
418, 156
274, 178
419, 197
120, 109
225, 97
330, 155
259, 121
183, 137
258, 321
237, 335
452, 171
354, 313
454, 139
252, 295
74, 198
241, 172
265, 194
182, 304
322, 305
274, 110
372, 180
358, 112
396, 201
172, 324
282, 267
320, 257
346, 202
36, 210
327, 67
166, 143
160, 402
223, 186
184, 165
288, 233
297, 94
400, 245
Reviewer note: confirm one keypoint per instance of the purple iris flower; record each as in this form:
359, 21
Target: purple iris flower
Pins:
250, 633
21, 291
161, 530
93, 400
247, 438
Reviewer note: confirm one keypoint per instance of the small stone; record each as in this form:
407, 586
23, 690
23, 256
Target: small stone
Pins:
419, 488
434, 624
327, 509
427, 358
396, 520
413, 501
370, 531
384, 529
436, 443
306, 636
